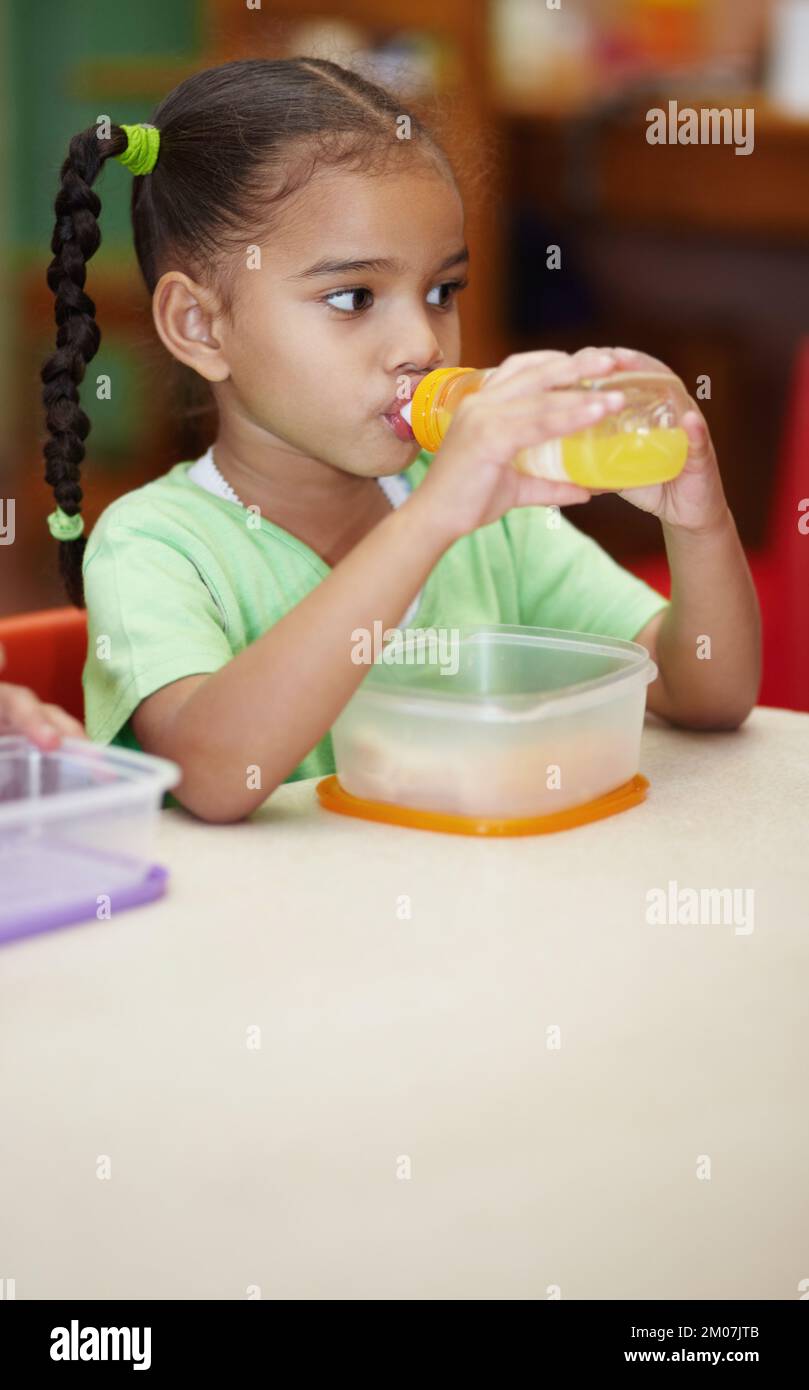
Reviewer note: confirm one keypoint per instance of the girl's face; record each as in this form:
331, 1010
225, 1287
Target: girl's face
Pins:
357, 289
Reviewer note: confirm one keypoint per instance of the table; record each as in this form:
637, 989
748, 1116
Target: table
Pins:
399, 1126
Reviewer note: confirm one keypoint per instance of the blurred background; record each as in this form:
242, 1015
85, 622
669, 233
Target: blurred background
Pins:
691, 253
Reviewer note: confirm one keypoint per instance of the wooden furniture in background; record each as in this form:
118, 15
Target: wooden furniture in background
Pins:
587, 173
621, 178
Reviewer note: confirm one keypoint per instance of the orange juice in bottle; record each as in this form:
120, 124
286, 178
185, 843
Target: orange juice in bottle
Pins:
642, 443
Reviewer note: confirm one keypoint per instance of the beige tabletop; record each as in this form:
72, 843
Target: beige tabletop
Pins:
350, 1060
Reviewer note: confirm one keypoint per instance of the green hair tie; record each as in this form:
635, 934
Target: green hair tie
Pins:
63, 527
143, 144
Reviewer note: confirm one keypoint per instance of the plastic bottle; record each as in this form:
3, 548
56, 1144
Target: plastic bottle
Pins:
642, 443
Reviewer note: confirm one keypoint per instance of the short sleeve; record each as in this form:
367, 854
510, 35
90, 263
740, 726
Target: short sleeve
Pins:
151, 618
567, 580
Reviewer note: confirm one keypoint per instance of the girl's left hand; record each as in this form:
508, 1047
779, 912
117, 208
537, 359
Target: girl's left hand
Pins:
695, 499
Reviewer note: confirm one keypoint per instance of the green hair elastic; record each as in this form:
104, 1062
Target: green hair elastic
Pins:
143, 145
63, 527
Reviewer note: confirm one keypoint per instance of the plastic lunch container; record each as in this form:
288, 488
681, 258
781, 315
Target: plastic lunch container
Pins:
76, 823
534, 722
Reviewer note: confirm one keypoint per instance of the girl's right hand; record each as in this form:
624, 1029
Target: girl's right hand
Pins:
471, 481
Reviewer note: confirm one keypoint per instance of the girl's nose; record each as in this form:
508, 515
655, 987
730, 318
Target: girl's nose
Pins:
415, 347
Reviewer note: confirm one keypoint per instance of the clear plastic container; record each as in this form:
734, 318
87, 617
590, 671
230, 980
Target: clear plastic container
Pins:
643, 443
76, 825
533, 721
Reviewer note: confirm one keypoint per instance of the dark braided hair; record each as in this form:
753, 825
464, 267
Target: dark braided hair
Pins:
235, 142
76, 237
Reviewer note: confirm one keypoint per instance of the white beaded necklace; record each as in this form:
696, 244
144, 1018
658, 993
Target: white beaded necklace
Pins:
205, 473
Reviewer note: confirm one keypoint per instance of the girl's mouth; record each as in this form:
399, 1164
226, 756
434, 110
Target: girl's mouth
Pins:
399, 427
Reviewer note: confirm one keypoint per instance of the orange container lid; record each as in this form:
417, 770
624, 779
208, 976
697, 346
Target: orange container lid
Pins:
334, 797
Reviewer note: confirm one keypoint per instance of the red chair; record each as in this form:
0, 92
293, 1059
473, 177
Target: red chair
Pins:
780, 569
46, 651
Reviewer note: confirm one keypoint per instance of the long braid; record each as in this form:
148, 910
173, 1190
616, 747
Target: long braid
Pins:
76, 237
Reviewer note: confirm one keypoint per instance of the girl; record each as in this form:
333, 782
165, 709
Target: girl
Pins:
306, 262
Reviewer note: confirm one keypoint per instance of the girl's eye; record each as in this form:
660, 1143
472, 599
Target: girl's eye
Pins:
345, 294
347, 307
453, 286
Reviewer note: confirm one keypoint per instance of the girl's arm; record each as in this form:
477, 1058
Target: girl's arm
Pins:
272, 702
707, 644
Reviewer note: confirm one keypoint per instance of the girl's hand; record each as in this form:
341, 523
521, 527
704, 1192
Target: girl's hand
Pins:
695, 499
470, 481
22, 713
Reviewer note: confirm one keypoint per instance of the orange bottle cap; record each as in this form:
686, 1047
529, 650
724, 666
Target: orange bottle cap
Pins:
423, 421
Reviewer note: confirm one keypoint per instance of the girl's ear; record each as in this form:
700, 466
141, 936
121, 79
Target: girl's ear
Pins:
185, 316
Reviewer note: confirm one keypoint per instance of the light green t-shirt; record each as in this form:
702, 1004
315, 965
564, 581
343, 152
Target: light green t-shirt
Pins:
178, 582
